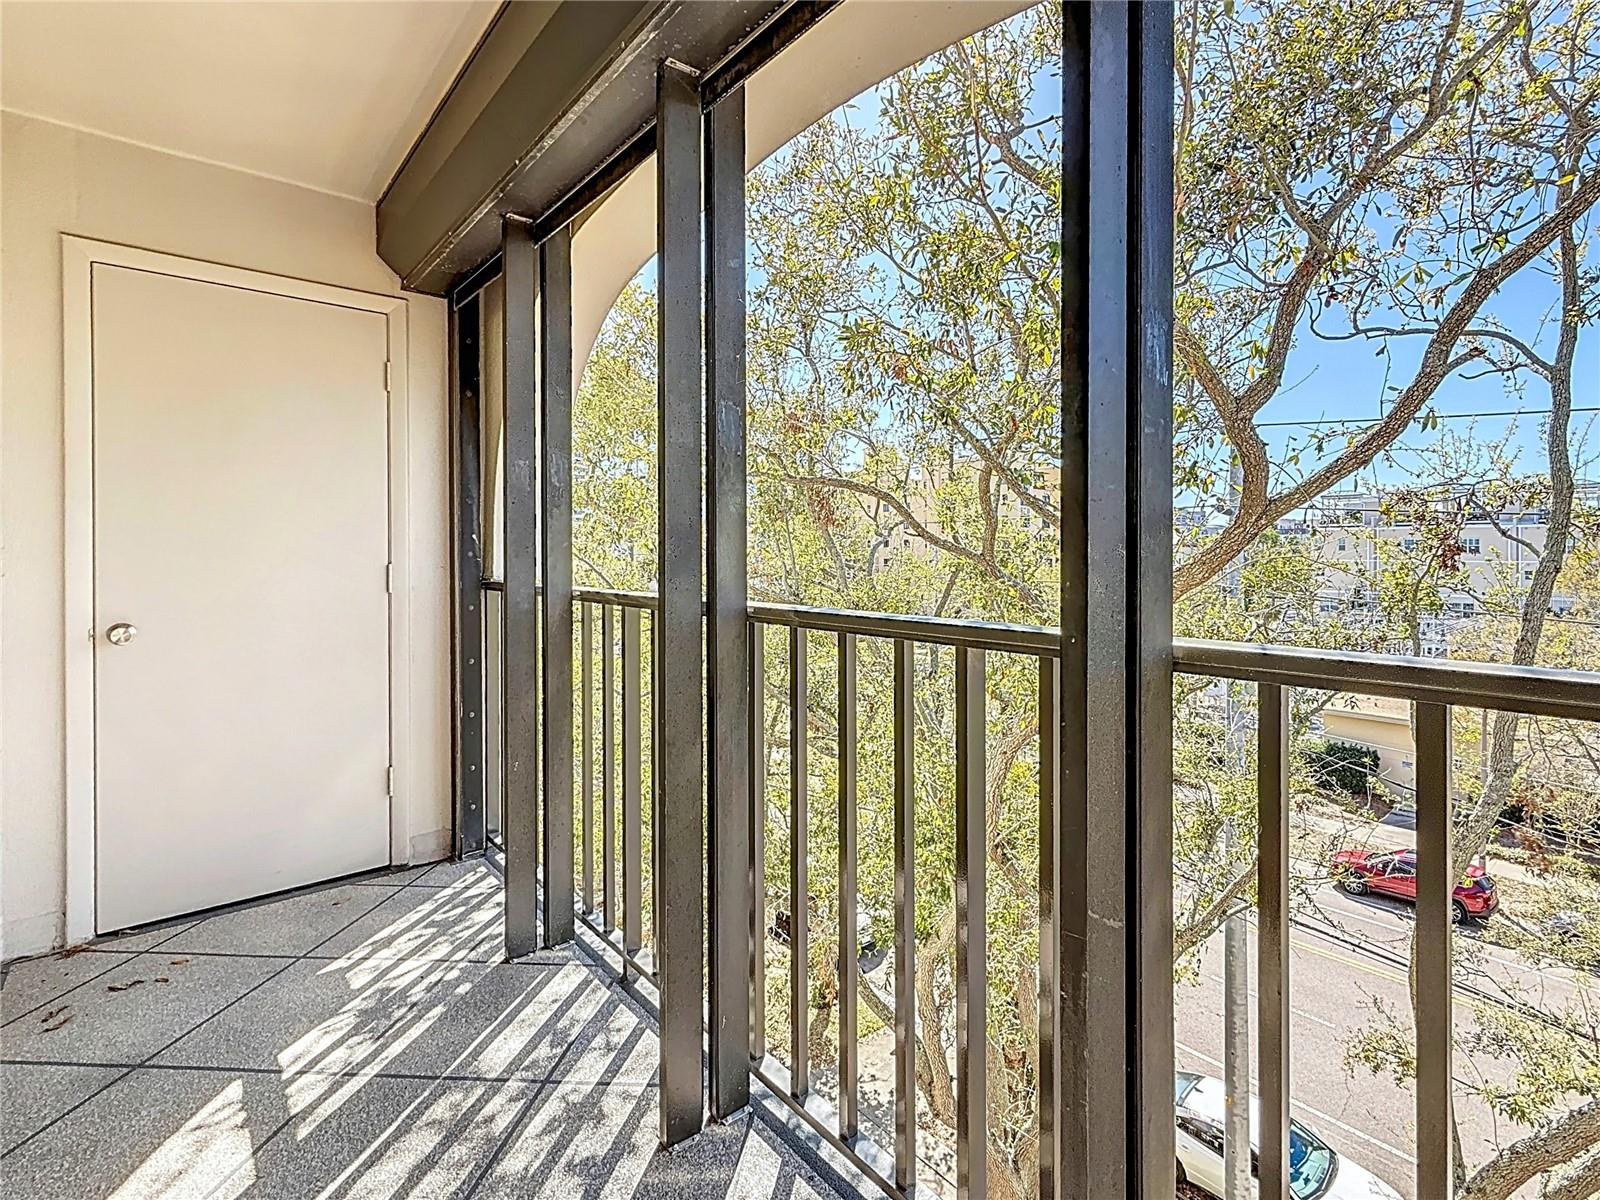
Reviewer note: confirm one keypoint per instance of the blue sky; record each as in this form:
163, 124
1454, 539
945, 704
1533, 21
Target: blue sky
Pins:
1342, 385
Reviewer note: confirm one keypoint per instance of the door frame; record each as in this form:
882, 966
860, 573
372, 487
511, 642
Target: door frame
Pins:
79, 257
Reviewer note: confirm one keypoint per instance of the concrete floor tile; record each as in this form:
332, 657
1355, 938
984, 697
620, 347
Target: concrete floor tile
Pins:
292, 926
133, 1010
380, 1138
326, 1016
154, 1135
37, 1093
32, 984
145, 938
531, 1022
599, 1141
591, 1141
396, 876
463, 921
445, 873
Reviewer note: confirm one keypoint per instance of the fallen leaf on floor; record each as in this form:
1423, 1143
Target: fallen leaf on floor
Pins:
53, 1014
122, 987
178, 962
63, 1015
74, 951
162, 979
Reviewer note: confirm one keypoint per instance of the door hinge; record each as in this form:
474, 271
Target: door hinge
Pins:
388, 376
388, 578
391, 783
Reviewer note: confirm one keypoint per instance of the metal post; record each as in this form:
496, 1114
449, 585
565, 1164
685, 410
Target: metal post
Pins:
1435, 895
608, 769
905, 919
1114, 1132
1235, 1047
521, 670
1049, 920
555, 490
469, 608
1272, 937
849, 1067
727, 622
972, 856
799, 885
680, 915
758, 844
632, 787
586, 749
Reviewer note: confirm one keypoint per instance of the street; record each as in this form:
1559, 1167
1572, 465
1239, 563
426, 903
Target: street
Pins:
1351, 953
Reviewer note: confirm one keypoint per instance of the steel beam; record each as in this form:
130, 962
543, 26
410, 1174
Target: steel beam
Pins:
555, 527
727, 621
1113, 1130
521, 671
468, 610
680, 914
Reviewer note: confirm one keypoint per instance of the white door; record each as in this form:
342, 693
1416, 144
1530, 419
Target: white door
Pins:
241, 516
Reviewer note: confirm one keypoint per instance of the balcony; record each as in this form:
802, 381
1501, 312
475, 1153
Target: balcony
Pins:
367, 1038
368, 846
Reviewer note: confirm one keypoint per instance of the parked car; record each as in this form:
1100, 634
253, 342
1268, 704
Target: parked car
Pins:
1394, 873
1316, 1170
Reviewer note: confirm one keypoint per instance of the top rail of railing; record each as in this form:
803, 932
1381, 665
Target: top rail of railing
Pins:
1537, 691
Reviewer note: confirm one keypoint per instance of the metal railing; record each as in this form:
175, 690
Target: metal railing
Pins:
616, 914
1434, 687
615, 668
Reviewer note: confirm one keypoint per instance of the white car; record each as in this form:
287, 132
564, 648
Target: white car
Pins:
1316, 1170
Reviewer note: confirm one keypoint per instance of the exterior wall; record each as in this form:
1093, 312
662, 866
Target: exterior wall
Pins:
1381, 725
56, 180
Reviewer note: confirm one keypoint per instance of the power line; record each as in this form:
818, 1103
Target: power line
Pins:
1510, 412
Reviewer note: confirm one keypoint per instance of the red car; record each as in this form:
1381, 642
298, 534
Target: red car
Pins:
1394, 873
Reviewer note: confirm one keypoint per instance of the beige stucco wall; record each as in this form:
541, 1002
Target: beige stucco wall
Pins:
1383, 725
56, 180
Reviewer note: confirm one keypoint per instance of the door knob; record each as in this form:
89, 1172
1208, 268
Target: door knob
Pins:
121, 633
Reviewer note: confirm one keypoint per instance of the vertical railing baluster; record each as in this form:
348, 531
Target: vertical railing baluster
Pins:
1272, 937
586, 753
655, 795
971, 941
632, 785
905, 920
799, 894
1049, 920
758, 843
848, 1025
608, 782
1435, 891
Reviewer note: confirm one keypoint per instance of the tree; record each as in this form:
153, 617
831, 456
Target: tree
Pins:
1342, 767
1352, 174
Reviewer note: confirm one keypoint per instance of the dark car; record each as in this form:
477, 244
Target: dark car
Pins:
1394, 873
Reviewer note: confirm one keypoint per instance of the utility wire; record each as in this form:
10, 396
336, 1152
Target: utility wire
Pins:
1509, 412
